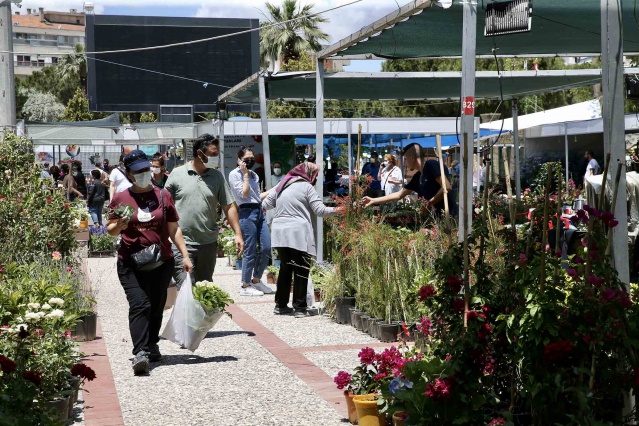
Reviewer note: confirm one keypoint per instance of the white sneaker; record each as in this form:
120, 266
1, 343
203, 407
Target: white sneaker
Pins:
250, 291
263, 287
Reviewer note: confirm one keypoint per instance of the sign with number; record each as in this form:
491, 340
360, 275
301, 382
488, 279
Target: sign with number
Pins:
469, 105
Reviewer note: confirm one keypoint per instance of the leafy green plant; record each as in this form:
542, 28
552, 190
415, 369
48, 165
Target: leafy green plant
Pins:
100, 239
274, 270
211, 296
122, 212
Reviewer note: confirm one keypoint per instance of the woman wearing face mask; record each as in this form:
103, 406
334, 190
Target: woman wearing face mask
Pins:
245, 186
80, 179
390, 175
295, 201
158, 170
277, 175
154, 221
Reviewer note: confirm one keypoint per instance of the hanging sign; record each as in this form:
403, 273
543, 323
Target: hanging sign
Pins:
469, 105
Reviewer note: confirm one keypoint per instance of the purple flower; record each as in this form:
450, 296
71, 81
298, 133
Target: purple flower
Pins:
577, 260
572, 272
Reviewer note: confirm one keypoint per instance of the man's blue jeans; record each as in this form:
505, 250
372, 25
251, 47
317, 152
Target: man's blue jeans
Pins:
257, 243
95, 210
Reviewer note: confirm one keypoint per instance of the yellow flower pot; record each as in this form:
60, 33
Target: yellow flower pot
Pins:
367, 411
84, 223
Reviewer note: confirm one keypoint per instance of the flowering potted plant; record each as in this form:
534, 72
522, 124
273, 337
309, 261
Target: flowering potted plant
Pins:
100, 242
272, 272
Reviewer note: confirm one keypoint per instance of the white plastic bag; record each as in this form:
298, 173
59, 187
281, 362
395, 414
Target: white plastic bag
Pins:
189, 322
310, 293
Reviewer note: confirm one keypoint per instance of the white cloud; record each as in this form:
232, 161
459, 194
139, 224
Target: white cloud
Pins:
342, 22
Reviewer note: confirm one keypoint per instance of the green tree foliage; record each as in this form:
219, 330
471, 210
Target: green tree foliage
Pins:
78, 108
46, 80
41, 107
292, 36
74, 68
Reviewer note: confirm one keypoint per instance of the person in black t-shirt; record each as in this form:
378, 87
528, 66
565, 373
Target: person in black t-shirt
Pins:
427, 183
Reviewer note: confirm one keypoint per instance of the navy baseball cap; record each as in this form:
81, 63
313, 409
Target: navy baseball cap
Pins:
136, 160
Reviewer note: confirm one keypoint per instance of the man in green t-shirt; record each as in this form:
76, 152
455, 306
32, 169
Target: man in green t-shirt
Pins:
198, 189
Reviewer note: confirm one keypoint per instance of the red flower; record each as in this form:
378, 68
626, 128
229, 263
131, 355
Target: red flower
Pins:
49, 199
83, 371
342, 379
523, 260
66, 206
367, 356
440, 389
425, 292
7, 365
497, 421
484, 332
425, 325
32, 377
472, 315
595, 280
485, 309
455, 284
459, 305
557, 351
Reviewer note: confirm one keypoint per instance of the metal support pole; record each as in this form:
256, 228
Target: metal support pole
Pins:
7, 83
266, 146
469, 47
566, 144
613, 118
220, 135
516, 148
349, 129
319, 145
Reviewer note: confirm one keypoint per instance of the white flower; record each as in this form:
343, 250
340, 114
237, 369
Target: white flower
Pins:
56, 313
32, 316
46, 307
20, 320
40, 314
34, 306
56, 301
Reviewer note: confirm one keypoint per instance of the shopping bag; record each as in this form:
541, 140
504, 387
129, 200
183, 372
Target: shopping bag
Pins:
310, 293
189, 321
171, 295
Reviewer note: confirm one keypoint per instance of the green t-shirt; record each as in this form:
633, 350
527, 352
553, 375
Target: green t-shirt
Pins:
197, 198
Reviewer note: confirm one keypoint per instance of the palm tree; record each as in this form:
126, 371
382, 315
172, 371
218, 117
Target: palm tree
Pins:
296, 32
73, 66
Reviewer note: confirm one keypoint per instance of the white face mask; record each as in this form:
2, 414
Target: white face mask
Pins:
277, 171
156, 170
142, 180
212, 162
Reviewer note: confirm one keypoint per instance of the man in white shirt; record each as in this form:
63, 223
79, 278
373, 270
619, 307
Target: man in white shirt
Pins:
593, 167
118, 179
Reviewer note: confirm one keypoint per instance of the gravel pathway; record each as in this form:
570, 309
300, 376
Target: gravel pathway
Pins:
230, 380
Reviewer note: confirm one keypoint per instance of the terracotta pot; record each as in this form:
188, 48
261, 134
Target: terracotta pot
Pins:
350, 405
220, 253
318, 295
270, 279
367, 411
399, 418
84, 224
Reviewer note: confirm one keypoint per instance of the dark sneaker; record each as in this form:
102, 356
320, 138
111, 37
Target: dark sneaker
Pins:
310, 312
141, 364
154, 352
283, 311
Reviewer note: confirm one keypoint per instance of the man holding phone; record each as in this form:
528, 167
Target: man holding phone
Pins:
199, 189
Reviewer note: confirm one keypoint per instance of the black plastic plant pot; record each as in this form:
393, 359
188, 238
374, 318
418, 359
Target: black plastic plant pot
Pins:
372, 325
342, 309
365, 323
356, 319
85, 329
389, 332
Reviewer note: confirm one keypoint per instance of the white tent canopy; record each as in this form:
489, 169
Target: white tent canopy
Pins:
577, 112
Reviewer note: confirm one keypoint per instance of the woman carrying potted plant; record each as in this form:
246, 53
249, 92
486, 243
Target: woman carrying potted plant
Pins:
294, 201
146, 217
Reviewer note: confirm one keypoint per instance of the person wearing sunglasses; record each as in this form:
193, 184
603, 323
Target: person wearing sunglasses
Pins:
199, 190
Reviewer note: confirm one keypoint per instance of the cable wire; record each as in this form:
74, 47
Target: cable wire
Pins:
203, 40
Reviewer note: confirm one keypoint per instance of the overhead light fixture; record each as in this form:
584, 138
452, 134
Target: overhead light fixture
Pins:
509, 17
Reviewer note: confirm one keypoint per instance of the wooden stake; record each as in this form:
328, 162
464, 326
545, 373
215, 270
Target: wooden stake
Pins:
509, 192
438, 138
544, 238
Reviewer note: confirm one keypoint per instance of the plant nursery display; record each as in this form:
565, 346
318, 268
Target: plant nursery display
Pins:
101, 241
43, 293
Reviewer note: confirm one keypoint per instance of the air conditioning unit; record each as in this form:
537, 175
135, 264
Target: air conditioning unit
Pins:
508, 17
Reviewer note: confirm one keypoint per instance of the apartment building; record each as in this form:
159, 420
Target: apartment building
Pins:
42, 38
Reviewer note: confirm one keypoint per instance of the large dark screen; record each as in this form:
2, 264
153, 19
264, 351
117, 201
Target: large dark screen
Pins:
225, 62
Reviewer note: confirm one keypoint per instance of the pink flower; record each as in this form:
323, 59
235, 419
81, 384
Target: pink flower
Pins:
342, 379
572, 272
69, 269
595, 280
56, 255
425, 325
440, 389
523, 260
367, 356
455, 284
472, 315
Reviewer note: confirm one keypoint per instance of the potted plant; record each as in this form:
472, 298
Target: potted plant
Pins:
272, 272
101, 244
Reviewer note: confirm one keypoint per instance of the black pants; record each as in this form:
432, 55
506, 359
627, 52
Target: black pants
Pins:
294, 269
146, 293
